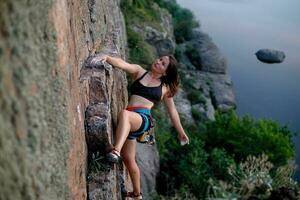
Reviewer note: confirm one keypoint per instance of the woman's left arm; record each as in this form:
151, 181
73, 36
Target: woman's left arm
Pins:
169, 102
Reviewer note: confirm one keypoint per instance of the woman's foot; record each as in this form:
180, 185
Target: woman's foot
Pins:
132, 195
113, 156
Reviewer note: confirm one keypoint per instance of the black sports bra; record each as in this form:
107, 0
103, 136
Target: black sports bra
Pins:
151, 93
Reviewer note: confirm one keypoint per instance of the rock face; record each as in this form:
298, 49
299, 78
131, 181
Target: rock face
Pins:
43, 98
104, 181
162, 40
184, 106
270, 56
148, 161
210, 57
222, 94
210, 79
216, 90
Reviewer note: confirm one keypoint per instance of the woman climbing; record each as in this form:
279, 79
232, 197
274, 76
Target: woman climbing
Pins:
149, 87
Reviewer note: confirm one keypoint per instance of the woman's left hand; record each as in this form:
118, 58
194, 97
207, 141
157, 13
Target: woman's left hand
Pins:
184, 139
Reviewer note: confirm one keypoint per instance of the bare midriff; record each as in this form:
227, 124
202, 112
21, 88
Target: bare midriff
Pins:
137, 101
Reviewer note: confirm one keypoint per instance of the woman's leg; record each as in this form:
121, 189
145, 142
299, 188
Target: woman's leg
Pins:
128, 155
127, 121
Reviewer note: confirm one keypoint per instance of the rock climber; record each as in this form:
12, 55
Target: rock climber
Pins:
160, 83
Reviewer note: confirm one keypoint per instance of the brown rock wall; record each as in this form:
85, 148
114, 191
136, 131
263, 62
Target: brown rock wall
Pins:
43, 45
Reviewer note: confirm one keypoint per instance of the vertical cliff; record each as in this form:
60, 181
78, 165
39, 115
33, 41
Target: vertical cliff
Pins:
44, 93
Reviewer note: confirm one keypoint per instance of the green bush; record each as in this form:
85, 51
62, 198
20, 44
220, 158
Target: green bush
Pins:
193, 167
140, 51
244, 136
213, 148
194, 56
183, 193
219, 161
196, 114
162, 130
183, 166
252, 180
178, 53
140, 11
183, 20
187, 82
196, 97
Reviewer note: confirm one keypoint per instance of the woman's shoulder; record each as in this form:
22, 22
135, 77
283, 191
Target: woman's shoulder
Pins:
165, 91
139, 73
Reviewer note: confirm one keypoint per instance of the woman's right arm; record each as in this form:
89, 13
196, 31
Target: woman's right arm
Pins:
133, 69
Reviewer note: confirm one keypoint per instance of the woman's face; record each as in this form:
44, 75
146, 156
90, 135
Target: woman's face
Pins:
161, 64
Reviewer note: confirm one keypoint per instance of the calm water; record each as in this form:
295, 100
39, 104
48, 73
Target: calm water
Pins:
240, 28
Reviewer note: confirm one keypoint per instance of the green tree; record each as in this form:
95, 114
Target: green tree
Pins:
244, 136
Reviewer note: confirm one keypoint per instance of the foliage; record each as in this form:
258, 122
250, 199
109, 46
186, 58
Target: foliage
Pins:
283, 176
162, 129
219, 161
250, 180
283, 185
177, 54
195, 97
194, 56
244, 136
183, 165
140, 51
97, 163
183, 19
140, 12
196, 114
181, 194
214, 148
187, 81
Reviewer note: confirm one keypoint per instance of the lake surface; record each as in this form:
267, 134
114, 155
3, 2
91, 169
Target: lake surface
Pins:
240, 28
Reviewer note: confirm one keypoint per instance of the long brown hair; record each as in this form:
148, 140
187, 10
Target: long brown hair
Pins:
171, 79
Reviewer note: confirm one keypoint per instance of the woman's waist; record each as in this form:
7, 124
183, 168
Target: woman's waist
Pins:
139, 109
136, 101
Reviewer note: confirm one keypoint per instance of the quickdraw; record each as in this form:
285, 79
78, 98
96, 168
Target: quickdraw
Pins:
148, 137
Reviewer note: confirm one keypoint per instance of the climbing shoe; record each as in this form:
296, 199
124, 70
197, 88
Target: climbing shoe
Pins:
131, 195
113, 156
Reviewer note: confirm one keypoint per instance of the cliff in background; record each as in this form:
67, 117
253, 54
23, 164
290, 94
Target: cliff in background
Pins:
44, 96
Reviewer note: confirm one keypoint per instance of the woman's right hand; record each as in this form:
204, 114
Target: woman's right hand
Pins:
99, 58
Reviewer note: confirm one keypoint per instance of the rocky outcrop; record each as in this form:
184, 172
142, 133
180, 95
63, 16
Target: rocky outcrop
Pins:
184, 107
162, 42
162, 38
104, 181
211, 60
222, 94
206, 73
43, 99
148, 161
270, 56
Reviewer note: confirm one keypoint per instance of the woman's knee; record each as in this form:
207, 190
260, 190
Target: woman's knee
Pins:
131, 165
129, 160
123, 114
